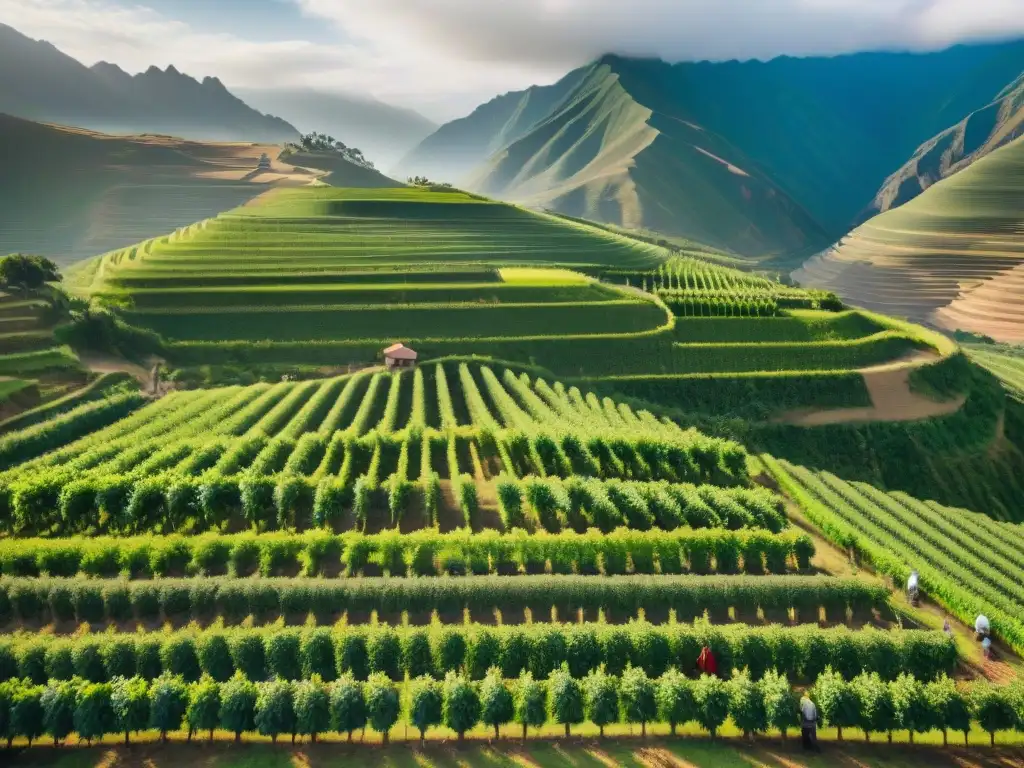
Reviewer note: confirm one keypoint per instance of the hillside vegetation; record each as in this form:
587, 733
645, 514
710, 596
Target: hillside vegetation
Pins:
112, 191
951, 256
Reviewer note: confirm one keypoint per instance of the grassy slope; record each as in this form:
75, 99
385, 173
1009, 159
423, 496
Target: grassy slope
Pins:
71, 193
607, 155
946, 257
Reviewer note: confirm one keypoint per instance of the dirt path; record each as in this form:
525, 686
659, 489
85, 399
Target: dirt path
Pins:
110, 364
891, 398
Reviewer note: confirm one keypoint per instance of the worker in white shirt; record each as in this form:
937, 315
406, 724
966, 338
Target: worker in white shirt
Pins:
913, 590
809, 723
982, 628
986, 647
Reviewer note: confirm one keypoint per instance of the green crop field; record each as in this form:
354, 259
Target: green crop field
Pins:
543, 523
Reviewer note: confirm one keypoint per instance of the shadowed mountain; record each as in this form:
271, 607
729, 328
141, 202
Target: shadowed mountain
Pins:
981, 132
602, 155
646, 143
38, 82
383, 132
69, 193
456, 148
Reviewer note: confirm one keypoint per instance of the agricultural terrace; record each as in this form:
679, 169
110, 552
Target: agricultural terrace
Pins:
330, 276
968, 562
382, 527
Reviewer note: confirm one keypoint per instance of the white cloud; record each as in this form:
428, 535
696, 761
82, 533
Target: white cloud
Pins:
446, 56
544, 33
136, 37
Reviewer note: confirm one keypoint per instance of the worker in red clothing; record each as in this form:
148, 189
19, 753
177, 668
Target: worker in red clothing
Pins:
706, 662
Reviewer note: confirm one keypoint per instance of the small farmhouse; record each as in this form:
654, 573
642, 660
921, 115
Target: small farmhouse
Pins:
399, 356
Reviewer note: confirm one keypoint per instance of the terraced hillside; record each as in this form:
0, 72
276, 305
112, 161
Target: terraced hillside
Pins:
331, 276
951, 257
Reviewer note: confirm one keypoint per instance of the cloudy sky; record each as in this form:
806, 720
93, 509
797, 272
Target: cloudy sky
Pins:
443, 57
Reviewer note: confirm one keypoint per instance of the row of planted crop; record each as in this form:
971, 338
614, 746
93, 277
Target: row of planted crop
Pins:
293, 600
59, 501
291, 411
719, 304
802, 652
418, 553
962, 576
314, 708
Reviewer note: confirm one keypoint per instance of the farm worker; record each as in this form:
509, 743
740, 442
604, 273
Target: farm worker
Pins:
912, 588
809, 723
706, 662
947, 627
986, 647
981, 627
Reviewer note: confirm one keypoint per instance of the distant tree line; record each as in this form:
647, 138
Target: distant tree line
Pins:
322, 142
423, 181
27, 272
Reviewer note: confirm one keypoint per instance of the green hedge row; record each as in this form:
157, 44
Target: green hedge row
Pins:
170, 704
40, 438
96, 600
419, 553
802, 652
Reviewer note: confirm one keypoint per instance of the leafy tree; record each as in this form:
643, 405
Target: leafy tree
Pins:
94, 716
312, 707
565, 699
248, 656
837, 701
781, 704
674, 696
877, 712
530, 699
482, 653
318, 655
425, 704
26, 712
911, 705
582, 650
711, 698
461, 704
168, 699
6, 693
348, 706
639, 696
275, 709
746, 704
384, 652
949, 706
27, 272
238, 705
992, 709
58, 700
129, 699
203, 711
416, 655
382, 704
283, 655
496, 705
215, 656
601, 699
352, 656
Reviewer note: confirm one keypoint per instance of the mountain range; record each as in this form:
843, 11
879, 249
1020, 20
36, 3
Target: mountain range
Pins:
383, 132
763, 158
38, 82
